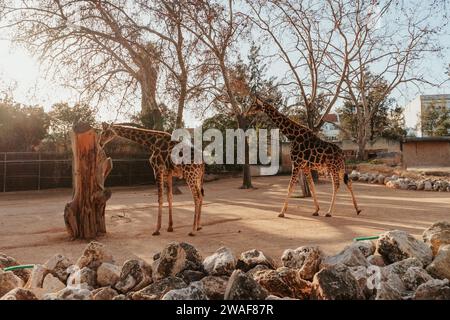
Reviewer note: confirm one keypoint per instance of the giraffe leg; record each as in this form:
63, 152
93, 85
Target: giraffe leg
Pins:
348, 183
169, 200
200, 203
292, 184
160, 186
196, 195
312, 188
335, 181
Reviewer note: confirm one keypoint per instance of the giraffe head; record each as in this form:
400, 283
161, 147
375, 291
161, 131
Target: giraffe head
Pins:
255, 106
107, 134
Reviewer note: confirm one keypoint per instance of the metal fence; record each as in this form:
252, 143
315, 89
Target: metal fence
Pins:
36, 171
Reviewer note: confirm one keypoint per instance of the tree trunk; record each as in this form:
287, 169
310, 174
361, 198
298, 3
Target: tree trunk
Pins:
306, 193
362, 141
85, 215
246, 173
150, 112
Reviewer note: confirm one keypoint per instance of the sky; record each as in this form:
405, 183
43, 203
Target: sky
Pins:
22, 74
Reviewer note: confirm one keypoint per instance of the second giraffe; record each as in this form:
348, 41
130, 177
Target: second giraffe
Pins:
308, 152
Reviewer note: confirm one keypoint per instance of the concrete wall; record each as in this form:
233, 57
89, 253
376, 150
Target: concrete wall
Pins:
426, 154
379, 144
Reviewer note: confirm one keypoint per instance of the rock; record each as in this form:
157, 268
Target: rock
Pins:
58, 265
121, 297
336, 282
220, 263
284, 282
389, 283
52, 284
364, 177
436, 235
427, 186
72, 293
351, 256
171, 261
399, 268
106, 293
307, 259
250, 259
420, 185
85, 278
271, 297
361, 275
354, 175
214, 287
398, 245
191, 275
108, 274
135, 275
192, 292
193, 257
7, 261
433, 290
242, 287
366, 247
19, 294
414, 277
380, 179
412, 186
391, 289
253, 271
94, 255
392, 184
156, 290
376, 260
9, 281
440, 267
36, 279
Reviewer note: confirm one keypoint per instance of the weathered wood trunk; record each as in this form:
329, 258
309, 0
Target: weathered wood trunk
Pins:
85, 215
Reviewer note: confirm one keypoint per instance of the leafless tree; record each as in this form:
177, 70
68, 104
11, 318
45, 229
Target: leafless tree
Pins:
109, 49
218, 26
393, 41
306, 36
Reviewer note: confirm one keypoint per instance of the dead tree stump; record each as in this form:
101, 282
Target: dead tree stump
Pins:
85, 215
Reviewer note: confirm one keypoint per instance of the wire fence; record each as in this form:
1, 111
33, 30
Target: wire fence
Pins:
21, 171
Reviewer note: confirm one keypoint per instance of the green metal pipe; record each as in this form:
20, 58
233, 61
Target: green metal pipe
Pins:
366, 238
25, 266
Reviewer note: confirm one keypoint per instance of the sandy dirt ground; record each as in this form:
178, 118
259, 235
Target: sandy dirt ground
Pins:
32, 227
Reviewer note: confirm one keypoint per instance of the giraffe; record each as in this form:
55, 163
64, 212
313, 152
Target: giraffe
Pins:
160, 146
308, 152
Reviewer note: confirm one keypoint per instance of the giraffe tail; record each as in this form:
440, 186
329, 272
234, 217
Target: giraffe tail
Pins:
203, 192
346, 178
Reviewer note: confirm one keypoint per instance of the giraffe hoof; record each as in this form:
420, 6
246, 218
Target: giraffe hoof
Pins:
156, 233
169, 229
199, 228
328, 215
315, 214
281, 215
191, 234
358, 211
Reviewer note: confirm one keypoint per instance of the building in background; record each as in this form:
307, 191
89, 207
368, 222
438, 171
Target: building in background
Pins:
329, 131
415, 110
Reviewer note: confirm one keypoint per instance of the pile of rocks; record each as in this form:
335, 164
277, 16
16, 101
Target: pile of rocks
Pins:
397, 182
397, 266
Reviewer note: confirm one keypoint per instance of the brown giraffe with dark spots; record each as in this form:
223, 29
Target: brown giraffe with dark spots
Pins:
160, 146
308, 152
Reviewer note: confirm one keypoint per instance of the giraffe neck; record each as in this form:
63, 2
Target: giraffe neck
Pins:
147, 138
285, 124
